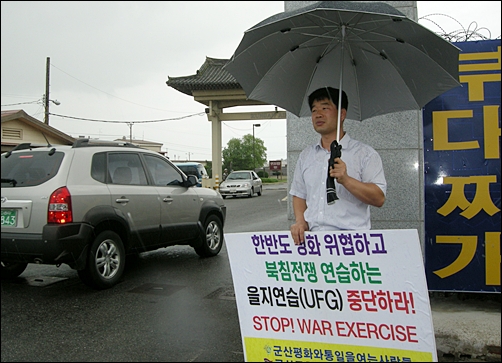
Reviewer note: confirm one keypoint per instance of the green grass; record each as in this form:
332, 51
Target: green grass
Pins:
274, 180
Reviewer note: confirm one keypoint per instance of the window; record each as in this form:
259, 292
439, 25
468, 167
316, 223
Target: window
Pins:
126, 168
98, 168
30, 169
162, 172
189, 170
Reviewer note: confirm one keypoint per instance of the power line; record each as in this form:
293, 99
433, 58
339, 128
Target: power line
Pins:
21, 103
128, 122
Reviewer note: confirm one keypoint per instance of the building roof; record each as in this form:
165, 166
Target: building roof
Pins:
210, 76
10, 115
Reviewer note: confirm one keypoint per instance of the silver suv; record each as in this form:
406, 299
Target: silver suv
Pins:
91, 204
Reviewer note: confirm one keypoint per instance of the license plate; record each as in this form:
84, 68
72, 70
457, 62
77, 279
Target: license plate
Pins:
9, 217
232, 190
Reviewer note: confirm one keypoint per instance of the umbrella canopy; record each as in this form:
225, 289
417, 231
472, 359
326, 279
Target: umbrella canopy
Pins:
384, 61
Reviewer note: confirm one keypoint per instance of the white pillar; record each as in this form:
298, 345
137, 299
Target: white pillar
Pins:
212, 116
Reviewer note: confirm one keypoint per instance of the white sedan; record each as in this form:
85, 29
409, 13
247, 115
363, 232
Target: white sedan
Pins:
242, 182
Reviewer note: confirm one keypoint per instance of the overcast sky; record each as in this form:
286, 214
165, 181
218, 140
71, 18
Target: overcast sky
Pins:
111, 61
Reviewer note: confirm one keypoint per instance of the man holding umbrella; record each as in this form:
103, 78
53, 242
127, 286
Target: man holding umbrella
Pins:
360, 180
383, 60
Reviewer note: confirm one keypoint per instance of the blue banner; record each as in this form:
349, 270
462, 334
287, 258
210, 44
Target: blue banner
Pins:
462, 176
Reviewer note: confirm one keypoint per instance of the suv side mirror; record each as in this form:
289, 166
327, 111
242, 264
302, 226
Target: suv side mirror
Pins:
192, 180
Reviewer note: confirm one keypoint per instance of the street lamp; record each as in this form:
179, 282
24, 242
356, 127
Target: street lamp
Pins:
46, 106
254, 157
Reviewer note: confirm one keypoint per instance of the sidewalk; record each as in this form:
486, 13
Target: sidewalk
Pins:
466, 325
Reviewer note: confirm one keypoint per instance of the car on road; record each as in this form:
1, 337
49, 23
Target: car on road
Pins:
91, 204
241, 183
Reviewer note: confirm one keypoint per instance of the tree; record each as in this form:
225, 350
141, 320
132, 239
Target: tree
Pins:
209, 168
238, 155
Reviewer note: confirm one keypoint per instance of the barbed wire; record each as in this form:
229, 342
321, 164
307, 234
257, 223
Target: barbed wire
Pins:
471, 33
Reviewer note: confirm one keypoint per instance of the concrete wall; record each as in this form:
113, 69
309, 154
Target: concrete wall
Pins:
397, 138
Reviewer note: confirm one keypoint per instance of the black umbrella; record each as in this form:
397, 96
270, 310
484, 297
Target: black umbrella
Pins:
384, 61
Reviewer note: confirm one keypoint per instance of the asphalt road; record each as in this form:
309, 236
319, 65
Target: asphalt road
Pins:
170, 306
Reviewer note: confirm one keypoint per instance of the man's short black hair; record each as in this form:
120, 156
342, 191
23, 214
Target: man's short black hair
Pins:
328, 93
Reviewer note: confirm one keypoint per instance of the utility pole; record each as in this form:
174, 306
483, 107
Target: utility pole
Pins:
46, 97
254, 157
130, 124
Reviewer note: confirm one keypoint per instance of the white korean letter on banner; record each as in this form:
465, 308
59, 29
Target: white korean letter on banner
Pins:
341, 296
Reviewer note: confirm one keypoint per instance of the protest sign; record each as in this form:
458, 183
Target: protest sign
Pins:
356, 296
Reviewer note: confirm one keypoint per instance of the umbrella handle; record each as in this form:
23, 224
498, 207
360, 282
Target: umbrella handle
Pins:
336, 152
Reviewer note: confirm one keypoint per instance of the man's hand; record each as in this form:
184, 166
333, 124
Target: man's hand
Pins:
298, 232
339, 171
368, 193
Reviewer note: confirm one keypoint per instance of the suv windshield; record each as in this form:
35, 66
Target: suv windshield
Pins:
28, 169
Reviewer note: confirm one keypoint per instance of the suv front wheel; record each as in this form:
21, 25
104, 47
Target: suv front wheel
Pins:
105, 262
212, 238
